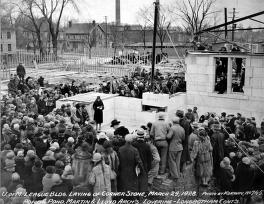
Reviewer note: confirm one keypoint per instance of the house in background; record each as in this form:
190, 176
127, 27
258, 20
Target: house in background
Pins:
81, 37
8, 42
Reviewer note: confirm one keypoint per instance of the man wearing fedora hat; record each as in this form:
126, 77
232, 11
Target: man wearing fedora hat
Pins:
159, 131
145, 156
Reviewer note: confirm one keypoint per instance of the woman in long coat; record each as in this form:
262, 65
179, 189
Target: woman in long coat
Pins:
82, 164
98, 107
202, 154
100, 178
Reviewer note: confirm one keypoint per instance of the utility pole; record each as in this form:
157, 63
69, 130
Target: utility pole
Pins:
0, 49
156, 14
233, 25
106, 31
225, 23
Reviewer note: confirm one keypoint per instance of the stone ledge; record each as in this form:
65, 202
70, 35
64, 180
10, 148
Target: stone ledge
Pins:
229, 96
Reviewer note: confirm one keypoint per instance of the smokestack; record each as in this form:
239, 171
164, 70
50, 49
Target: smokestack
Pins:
118, 20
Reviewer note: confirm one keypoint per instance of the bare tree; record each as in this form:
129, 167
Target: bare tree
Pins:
7, 13
146, 15
115, 37
30, 22
90, 41
52, 11
195, 14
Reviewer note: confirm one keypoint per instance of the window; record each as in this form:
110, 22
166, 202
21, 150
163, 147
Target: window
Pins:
8, 34
238, 74
9, 47
221, 74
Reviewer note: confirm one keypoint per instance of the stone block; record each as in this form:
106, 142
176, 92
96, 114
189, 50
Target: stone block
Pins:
249, 72
195, 68
203, 60
211, 61
247, 81
125, 103
258, 92
197, 77
258, 72
210, 69
256, 83
257, 61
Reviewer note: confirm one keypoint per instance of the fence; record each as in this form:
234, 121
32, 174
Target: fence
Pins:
116, 62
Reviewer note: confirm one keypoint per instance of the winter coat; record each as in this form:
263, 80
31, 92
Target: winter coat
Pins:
177, 136
41, 147
202, 153
48, 161
6, 177
21, 70
81, 165
225, 179
188, 130
145, 156
244, 178
37, 176
100, 180
129, 158
20, 166
218, 143
98, 112
259, 179
60, 188
11, 188
47, 183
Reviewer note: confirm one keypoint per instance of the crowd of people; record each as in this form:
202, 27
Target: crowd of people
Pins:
139, 83
62, 150
128, 86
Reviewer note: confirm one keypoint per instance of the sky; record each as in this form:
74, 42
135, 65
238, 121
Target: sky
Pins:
98, 9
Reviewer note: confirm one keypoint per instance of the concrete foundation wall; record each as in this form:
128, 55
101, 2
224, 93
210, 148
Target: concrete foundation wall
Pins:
129, 110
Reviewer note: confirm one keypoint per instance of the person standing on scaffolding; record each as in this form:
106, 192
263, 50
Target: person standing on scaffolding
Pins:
21, 72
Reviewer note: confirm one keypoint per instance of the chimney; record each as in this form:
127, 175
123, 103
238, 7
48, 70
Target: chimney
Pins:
70, 24
118, 20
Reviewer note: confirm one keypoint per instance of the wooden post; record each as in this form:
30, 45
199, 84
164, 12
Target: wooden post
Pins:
229, 75
225, 23
154, 43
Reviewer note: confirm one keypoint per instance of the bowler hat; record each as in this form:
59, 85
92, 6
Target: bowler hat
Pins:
115, 122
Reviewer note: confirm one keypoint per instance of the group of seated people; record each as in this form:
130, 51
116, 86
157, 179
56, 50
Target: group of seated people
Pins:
140, 82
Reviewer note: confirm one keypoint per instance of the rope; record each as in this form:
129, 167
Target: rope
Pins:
241, 148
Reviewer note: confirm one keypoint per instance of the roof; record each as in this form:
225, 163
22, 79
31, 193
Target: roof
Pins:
7, 26
158, 44
79, 28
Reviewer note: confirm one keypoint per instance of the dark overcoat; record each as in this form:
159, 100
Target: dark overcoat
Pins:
129, 158
98, 113
145, 156
188, 130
